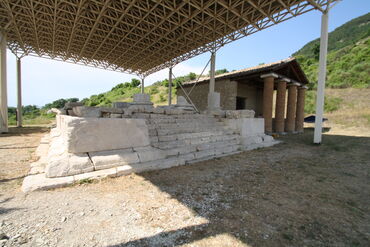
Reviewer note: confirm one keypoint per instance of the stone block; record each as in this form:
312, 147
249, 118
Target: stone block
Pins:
203, 154
149, 154
158, 110
124, 170
158, 164
111, 172
113, 158
100, 134
267, 138
87, 111
42, 150
121, 104
111, 110
70, 105
141, 98
236, 114
67, 164
40, 182
115, 115
167, 138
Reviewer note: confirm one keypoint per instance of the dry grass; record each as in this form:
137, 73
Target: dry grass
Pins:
354, 111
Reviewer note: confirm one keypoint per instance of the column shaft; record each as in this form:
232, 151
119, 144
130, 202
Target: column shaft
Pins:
291, 109
170, 86
268, 91
142, 85
280, 107
3, 86
19, 93
300, 110
212, 73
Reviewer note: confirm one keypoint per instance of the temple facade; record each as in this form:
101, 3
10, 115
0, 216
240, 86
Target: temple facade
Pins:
275, 91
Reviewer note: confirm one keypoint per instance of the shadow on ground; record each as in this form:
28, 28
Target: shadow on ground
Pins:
295, 193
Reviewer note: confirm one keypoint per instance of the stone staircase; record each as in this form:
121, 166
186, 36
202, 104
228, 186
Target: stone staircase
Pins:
192, 138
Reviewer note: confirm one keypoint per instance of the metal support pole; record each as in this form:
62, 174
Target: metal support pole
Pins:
19, 93
3, 86
170, 86
142, 85
212, 73
321, 79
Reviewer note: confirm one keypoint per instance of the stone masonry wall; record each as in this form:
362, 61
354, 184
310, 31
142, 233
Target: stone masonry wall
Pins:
199, 95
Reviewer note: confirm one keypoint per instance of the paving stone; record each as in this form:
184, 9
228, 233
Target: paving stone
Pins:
41, 182
111, 172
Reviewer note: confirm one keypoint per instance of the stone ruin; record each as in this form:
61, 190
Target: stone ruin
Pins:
96, 142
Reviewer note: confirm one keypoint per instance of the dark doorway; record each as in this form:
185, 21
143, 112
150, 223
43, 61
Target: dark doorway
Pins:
240, 103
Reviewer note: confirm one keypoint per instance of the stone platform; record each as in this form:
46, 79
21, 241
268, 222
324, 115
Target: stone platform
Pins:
107, 142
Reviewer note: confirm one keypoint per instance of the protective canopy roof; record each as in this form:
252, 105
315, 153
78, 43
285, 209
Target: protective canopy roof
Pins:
141, 36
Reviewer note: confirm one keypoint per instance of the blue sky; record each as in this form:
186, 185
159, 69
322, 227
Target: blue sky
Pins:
46, 80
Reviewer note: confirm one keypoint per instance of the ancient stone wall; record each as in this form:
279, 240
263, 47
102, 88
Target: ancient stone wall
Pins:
199, 95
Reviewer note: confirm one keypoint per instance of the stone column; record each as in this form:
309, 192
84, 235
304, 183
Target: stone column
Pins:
300, 109
291, 108
3, 86
280, 105
268, 91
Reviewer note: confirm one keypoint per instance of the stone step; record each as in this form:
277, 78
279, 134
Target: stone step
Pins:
195, 141
204, 136
191, 130
202, 148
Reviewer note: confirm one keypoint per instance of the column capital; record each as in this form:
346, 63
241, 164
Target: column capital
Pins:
295, 84
269, 75
284, 80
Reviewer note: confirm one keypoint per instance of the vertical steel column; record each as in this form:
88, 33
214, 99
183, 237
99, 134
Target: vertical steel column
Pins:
212, 73
3, 86
321, 79
142, 85
19, 93
170, 86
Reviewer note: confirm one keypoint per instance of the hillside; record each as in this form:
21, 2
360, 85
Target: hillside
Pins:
348, 55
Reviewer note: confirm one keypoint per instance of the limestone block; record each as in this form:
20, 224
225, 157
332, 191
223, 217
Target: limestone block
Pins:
124, 170
239, 114
40, 182
187, 157
113, 158
167, 138
87, 111
158, 164
203, 154
158, 110
121, 104
213, 101
67, 164
246, 126
149, 154
141, 98
250, 140
42, 150
111, 110
112, 172
100, 134
71, 113
267, 138
115, 115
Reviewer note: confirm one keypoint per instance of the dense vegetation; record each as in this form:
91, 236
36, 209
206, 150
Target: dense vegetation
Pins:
348, 66
348, 56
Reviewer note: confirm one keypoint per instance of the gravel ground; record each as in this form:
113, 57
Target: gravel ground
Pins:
292, 194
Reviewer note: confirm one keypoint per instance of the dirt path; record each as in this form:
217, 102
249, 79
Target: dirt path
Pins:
292, 194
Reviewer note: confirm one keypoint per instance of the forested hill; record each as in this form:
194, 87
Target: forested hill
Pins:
348, 55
